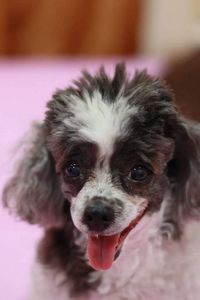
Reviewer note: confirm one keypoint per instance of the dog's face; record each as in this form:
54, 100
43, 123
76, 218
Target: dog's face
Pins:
111, 151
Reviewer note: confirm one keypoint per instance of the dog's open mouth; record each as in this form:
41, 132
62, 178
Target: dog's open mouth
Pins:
102, 249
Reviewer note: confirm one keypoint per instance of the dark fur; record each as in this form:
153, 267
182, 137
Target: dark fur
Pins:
159, 133
58, 250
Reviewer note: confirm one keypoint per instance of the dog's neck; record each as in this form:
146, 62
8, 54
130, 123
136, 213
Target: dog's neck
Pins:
64, 250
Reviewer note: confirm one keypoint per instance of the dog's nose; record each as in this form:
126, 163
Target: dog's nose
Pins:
98, 216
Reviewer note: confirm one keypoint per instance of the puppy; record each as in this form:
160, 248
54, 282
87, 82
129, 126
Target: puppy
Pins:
113, 177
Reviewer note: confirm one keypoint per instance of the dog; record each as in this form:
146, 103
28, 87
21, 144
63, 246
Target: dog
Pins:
112, 174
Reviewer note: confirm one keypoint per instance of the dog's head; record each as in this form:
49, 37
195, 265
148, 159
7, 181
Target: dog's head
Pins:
115, 149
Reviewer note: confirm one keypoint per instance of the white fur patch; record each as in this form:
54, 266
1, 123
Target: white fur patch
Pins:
143, 270
100, 121
47, 284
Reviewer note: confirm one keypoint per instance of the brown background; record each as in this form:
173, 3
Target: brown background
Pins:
93, 27
54, 27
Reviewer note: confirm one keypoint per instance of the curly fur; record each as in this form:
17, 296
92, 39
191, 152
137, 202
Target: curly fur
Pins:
35, 192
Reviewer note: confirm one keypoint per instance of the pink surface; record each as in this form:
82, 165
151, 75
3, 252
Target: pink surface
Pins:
25, 87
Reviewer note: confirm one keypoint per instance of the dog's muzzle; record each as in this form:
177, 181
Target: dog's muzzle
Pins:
98, 216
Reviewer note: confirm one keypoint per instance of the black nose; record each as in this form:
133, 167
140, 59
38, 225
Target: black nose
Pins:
98, 216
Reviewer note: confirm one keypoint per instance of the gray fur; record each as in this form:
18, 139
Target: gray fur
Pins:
33, 193
159, 132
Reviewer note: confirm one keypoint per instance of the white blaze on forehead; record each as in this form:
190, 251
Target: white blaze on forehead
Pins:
99, 121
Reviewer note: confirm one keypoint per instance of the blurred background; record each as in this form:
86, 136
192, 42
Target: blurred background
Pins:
44, 44
99, 27
69, 27
168, 31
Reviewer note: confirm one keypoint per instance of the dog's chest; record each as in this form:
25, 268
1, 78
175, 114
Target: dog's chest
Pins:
145, 270
149, 269
139, 275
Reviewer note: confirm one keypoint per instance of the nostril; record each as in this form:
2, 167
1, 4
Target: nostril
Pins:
105, 218
89, 218
107, 215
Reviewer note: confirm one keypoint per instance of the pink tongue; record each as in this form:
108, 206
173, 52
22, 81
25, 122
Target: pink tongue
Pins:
101, 251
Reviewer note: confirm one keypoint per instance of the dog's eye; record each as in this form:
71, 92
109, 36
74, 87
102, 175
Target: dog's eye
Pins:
73, 170
139, 173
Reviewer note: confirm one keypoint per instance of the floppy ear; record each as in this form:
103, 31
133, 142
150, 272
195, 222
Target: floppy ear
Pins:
33, 193
182, 200
184, 168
